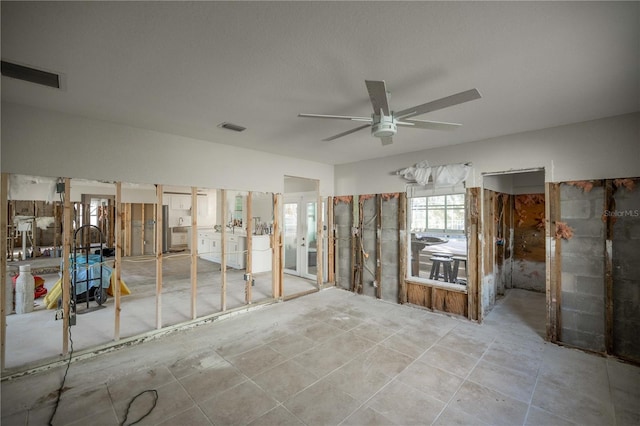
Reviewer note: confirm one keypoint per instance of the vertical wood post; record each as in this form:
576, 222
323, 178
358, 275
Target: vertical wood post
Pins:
319, 239
331, 274
223, 254
66, 252
553, 258
159, 237
249, 261
402, 247
610, 205
379, 246
142, 229
277, 270
473, 270
118, 261
4, 180
194, 251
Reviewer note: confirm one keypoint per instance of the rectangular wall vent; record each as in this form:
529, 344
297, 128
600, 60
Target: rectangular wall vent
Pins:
30, 74
231, 126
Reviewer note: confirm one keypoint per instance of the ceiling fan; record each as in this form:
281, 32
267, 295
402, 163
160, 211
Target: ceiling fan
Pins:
384, 122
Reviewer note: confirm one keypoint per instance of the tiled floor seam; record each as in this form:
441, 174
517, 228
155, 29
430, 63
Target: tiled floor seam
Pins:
466, 378
393, 378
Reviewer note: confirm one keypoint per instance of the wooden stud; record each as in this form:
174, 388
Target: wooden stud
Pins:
319, 239
331, 275
610, 205
473, 272
118, 260
553, 268
194, 251
4, 223
158, 220
142, 220
249, 262
66, 252
379, 246
223, 253
402, 247
278, 267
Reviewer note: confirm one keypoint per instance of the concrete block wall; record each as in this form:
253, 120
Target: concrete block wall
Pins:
369, 244
583, 270
390, 249
626, 272
343, 220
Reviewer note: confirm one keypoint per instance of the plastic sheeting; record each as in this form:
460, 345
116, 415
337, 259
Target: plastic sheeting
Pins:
445, 175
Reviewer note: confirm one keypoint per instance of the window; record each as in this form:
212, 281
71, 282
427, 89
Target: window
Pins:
441, 214
438, 243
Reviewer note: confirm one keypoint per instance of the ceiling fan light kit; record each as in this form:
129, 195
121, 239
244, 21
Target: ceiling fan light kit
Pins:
384, 122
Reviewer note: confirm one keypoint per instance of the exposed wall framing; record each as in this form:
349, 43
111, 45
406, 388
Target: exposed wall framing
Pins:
331, 235
473, 247
158, 220
553, 262
4, 181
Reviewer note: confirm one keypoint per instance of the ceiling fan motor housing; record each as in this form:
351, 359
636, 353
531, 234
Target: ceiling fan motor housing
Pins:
383, 126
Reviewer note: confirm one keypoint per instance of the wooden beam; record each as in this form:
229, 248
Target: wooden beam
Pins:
66, 252
249, 262
277, 268
194, 251
552, 264
331, 268
473, 271
4, 223
158, 220
402, 247
223, 254
319, 238
379, 246
610, 205
142, 205
118, 260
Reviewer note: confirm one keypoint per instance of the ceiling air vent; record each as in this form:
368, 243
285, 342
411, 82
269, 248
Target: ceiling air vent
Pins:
30, 74
231, 126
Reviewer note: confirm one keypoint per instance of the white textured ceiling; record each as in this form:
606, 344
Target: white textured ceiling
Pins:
185, 67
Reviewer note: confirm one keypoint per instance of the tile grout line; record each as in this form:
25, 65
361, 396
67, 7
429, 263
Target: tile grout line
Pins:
464, 380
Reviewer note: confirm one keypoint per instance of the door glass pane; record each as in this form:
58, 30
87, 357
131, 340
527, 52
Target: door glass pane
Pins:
311, 239
290, 236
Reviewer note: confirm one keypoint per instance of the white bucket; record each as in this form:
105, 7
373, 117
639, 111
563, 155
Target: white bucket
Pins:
25, 287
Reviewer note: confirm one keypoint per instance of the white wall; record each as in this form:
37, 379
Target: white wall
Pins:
45, 143
598, 149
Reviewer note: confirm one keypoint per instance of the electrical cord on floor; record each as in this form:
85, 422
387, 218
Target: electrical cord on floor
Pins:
64, 378
155, 401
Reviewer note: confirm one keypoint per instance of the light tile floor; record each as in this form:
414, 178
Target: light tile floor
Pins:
332, 358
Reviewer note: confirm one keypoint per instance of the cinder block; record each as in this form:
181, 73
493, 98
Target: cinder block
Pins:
590, 247
583, 340
590, 323
575, 209
583, 302
569, 283
592, 227
580, 265
593, 286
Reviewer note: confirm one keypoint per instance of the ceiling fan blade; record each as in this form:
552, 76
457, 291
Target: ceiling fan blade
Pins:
387, 140
378, 95
441, 103
431, 125
348, 132
339, 117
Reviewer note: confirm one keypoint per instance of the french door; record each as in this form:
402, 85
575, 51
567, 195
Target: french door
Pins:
300, 237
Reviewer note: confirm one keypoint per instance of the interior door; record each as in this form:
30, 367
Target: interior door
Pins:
300, 255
